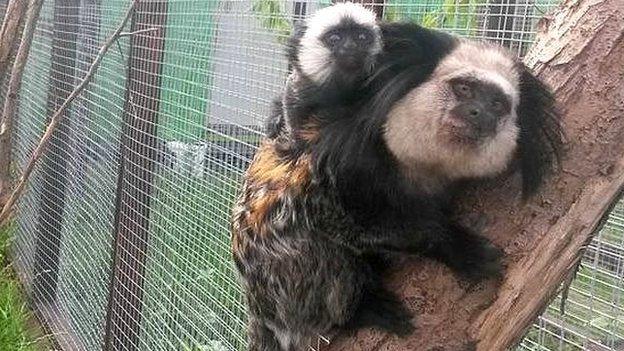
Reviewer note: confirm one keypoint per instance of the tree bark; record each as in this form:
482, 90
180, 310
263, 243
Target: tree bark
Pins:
10, 32
10, 103
580, 53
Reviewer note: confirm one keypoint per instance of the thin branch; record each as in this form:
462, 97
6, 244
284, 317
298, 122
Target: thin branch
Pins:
58, 115
141, 31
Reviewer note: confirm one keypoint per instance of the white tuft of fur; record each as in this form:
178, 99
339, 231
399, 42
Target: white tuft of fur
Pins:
324, 19
486, 62
314, 57
413, 131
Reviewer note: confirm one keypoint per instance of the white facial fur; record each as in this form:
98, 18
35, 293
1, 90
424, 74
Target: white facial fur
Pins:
314, 56
415, 133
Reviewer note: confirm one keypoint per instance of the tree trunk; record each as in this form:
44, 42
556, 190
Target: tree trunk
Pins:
580, 53
9, 32
10, 103
8, 37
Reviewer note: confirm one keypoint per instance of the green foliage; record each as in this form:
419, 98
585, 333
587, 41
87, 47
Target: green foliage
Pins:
430, 20
393, 14
272, 17
457, 15
5, 233
192, 292
14, 315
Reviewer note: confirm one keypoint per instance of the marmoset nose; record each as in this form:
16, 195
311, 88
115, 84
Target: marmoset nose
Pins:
469, 111
474, 112
349, 45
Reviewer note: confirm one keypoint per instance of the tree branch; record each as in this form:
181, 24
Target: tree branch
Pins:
10, 32
58, 114
141, 31
15, 11
578, 52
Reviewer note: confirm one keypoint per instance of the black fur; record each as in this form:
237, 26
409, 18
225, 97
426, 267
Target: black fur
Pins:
275, 123
410, 55
541, 136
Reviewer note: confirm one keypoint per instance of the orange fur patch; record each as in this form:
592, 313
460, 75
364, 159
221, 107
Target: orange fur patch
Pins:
268, 169
259, 210
266, 166
269, 179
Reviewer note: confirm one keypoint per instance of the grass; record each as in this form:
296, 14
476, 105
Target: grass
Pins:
15, 318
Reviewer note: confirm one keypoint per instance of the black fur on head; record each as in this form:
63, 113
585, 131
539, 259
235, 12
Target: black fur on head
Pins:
410, 55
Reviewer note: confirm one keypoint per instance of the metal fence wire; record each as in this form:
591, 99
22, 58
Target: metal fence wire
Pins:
137, 257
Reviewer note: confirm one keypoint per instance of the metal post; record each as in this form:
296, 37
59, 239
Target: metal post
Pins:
50, 217
138, 160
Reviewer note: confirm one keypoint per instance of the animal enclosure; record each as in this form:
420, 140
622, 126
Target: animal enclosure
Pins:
122, 239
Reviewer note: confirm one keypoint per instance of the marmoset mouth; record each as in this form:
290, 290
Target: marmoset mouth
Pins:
457, 130
351, 62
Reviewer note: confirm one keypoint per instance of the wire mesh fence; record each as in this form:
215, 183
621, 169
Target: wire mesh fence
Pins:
122, 238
